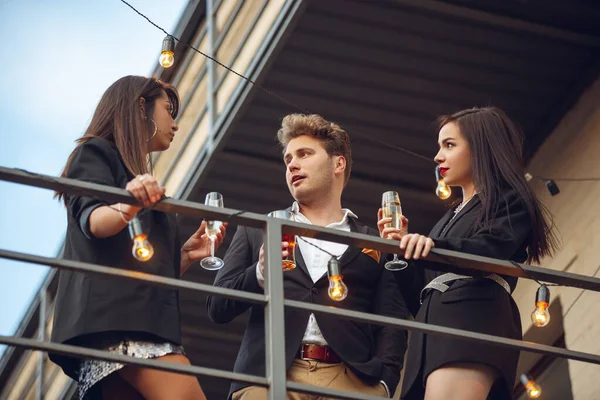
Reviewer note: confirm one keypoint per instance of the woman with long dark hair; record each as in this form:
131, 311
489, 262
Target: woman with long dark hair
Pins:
134, 118
480, 151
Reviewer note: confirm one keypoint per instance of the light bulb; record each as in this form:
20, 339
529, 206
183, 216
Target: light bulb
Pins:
541, 316
442, 190
166, 59
167, 55
142, 250
533, 389
338, 290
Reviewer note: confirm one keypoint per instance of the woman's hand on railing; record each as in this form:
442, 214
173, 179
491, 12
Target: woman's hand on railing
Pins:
145, 189
198, 245
391, 233
416, 246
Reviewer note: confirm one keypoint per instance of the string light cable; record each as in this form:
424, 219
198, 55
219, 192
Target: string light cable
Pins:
270, 93
337, 290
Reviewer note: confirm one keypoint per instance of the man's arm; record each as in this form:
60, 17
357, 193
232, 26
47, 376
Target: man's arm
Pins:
238, 272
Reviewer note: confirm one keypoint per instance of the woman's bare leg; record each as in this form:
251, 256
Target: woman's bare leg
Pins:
160, 385
460, 381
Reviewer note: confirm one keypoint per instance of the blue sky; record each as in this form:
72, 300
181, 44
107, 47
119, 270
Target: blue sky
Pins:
58, 58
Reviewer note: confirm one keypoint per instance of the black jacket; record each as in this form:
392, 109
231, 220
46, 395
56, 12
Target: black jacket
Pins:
373, 352
478, 305
91, 304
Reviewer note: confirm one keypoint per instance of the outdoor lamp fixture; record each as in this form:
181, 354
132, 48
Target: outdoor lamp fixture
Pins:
442, 191
533, 389
551, 185
167, 55
541, 316
142, 250
338, 290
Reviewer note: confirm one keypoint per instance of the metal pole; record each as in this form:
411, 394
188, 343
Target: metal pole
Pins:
211, 68
274, 317
42, 337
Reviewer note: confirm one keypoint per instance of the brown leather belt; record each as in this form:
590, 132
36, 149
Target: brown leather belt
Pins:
319, 353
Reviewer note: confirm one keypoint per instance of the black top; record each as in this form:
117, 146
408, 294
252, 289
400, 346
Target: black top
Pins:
92, 304
373, 352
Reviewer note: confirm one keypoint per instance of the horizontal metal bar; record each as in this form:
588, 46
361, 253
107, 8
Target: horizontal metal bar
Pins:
445, 331
83, 352
260, 299
110, 194
155, 280
453, 260
470, 261
446, 259
329, 393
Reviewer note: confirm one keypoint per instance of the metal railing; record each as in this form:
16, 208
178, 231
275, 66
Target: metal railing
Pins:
275, 379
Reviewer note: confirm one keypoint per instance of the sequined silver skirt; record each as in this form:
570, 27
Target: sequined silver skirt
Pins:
93, 371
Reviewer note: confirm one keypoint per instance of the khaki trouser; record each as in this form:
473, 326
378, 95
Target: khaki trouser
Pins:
332, 376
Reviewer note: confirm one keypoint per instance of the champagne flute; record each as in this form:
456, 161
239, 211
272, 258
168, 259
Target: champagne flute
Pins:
288, 263
390, 204
212, 229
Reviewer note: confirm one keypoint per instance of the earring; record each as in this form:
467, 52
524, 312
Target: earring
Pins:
155, 130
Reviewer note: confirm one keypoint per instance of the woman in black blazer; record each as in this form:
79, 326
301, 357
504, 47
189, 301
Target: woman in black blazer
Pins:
499, 217
134, 118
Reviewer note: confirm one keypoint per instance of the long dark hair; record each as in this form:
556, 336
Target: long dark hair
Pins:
497, 165
118, 118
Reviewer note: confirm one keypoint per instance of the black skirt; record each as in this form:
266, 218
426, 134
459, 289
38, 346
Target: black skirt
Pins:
478, 305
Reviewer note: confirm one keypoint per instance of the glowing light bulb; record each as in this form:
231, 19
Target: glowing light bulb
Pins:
442, 190
541, 316
533, 389
166, 59
167, 55
142, 250
338, 290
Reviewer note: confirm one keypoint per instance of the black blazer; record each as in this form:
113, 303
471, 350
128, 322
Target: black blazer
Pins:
91, 304
374, 353
506, 239
467, 303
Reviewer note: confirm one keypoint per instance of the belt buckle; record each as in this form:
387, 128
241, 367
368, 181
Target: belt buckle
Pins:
302, 352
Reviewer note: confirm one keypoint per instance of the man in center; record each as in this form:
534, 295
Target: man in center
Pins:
323, 351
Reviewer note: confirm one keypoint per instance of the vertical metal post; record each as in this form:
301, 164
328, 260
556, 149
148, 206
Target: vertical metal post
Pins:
274, 317
42, 337
211, 105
